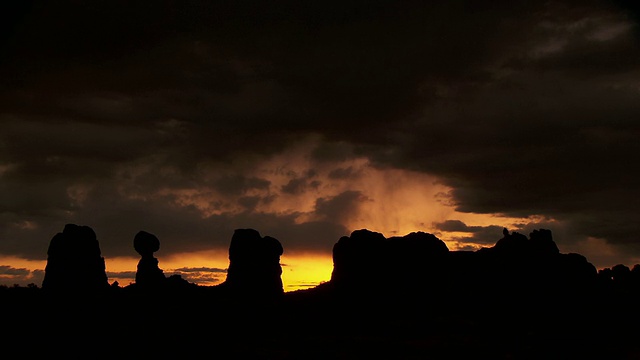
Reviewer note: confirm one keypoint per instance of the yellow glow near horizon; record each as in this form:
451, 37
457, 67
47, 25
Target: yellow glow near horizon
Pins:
299, 271
305, 271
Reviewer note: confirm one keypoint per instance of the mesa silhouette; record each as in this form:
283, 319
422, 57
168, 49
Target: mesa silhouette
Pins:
405, 296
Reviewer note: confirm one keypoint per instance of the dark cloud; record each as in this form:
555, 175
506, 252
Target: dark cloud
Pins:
299, 185
342, 207
10, 276
332, 151
249, 202
238, 184
344, 173
480, 235
201, 275
201, 269
455, 225
11, 271
561, 158
122, 275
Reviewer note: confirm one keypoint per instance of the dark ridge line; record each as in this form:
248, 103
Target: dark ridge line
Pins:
397, 297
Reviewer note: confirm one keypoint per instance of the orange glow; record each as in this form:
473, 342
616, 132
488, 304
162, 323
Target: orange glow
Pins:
305, 271
401, 202
207, 268
393, 202
299, 271
204, 268
28, 271
17, 262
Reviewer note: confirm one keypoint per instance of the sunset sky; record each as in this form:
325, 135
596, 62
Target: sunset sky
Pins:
306, 120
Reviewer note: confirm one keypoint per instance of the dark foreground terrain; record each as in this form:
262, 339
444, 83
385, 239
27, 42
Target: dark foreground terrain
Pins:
403, 297
320, 324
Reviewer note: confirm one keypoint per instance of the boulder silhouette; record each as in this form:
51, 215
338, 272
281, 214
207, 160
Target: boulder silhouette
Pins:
74, 261
148, 274
254, 265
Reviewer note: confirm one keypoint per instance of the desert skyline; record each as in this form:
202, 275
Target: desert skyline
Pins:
307, 121
519, 299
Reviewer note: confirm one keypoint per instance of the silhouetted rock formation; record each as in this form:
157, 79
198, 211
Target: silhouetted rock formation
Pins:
367, 259
419, 265
532, 265
74, 261
414, 299
148, 275
619, 280
254, 265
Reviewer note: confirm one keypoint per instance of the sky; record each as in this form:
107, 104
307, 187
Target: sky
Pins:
307, 120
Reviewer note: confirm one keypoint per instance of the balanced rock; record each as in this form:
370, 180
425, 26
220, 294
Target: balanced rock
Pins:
148, 274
